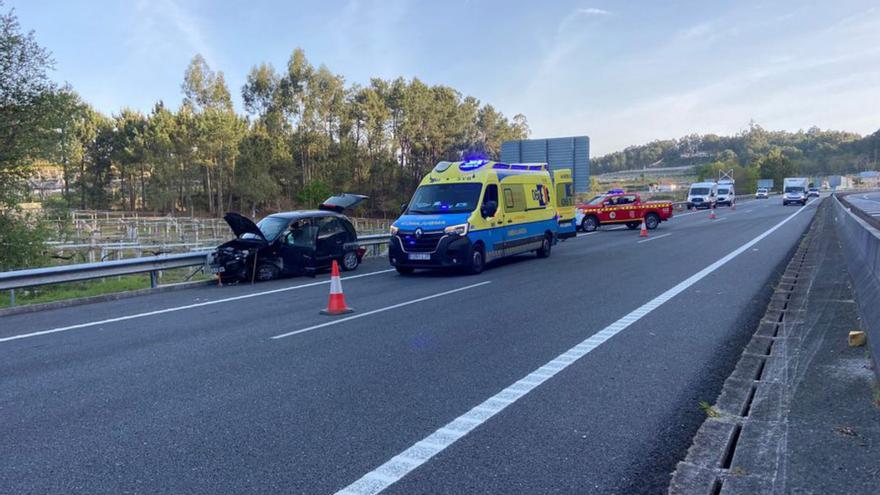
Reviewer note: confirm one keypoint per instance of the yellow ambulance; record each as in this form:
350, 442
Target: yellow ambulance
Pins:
466, 214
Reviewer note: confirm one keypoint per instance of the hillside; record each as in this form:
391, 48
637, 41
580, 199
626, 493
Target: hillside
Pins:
811, 152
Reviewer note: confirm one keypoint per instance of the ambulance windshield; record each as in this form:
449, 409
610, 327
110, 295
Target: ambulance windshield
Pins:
445, 198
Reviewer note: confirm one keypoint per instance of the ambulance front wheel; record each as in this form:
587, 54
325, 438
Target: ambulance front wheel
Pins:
544, 250
477, 262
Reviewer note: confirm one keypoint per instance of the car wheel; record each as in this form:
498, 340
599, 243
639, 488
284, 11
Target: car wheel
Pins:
652, 220
404, 270
590, 224
266, 272
632, 225
546, 246
477, 261
349, 261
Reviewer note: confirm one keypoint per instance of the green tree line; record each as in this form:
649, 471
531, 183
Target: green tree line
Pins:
754, 153
306, 134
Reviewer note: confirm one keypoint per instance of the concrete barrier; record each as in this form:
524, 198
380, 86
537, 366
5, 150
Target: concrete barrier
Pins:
861, 245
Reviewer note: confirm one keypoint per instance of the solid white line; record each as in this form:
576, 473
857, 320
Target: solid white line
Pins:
653, 238
386, 308
181, 308
393, 470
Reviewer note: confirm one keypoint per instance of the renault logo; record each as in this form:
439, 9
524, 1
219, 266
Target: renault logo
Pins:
418, 233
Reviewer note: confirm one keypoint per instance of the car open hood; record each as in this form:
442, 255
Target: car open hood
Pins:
341, 202
241, 225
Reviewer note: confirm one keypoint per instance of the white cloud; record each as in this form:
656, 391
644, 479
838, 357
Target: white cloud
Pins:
163, 28
593, 11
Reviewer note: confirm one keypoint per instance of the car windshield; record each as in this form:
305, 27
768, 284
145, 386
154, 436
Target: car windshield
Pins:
794, 189
762, 190
699, 190
270, 227
722, 191
597, 200
445, 198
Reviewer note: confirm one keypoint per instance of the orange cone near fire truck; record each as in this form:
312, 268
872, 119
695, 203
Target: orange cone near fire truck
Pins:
336, 305
711, 213
644, 232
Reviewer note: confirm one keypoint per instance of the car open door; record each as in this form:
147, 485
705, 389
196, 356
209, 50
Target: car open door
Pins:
341, 202
331, 240
564, 197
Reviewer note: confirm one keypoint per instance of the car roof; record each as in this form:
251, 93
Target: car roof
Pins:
293, 215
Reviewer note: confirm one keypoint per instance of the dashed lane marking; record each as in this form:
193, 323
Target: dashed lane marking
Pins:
654, 238
181, 308
380, 310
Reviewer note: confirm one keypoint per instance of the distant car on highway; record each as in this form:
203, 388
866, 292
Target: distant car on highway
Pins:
702, 195
617, 206
289, 243
814, 192
762, 193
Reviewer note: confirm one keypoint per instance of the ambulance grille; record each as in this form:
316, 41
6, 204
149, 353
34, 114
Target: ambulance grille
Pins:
425, 244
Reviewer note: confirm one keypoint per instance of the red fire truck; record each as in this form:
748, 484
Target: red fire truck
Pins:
617, 206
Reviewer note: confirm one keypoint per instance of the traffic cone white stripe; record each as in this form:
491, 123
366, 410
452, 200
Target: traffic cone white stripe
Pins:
335, 285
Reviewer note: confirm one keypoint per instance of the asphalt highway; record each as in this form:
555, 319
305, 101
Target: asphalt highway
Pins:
595, 359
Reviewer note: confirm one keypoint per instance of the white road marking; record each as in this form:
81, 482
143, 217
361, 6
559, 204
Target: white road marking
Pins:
653, 238
181, 308
386, 308
402, 464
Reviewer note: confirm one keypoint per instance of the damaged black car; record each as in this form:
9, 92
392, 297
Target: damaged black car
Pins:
289, 243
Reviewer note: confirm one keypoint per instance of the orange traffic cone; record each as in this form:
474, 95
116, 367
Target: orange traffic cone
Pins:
644, 231
336, 305
712, 213
733, 205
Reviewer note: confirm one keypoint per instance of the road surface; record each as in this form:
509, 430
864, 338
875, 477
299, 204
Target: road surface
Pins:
596, 360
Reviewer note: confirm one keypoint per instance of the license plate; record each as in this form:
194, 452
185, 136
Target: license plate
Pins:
218, 269
420, 256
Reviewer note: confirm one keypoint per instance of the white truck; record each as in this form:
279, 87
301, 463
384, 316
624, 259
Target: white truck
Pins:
794, 190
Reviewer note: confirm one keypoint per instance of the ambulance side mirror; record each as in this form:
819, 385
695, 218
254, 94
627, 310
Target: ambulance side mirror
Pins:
489, 209
403, 207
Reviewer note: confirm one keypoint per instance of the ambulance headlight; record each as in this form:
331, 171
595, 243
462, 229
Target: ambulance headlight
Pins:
457, 229
394, 230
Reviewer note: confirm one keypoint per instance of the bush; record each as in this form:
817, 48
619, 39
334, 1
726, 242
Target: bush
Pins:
56, 207
22, 241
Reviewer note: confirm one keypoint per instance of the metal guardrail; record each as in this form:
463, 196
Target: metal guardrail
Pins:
20, 279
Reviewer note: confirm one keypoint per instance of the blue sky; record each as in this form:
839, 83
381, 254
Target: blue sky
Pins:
621, 72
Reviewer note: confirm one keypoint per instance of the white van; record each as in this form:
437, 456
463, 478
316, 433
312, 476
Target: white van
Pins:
726, 194
702, 195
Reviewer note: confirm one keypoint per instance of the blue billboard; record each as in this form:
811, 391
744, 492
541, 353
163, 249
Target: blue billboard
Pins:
566, 152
